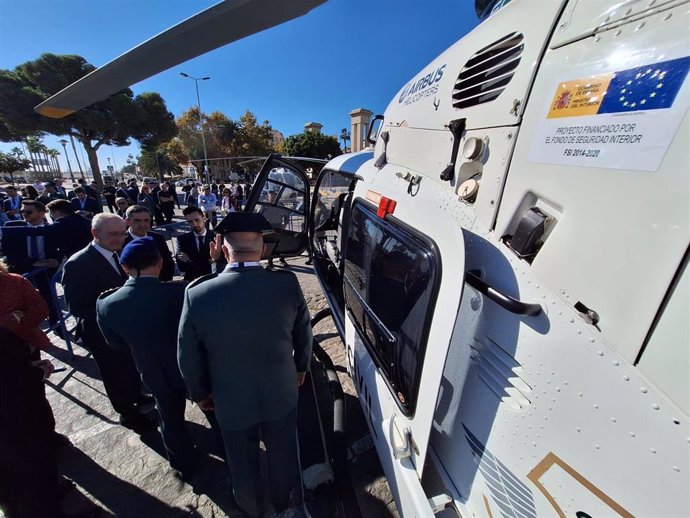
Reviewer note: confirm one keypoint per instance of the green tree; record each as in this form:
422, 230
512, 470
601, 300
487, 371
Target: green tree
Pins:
312, 144
112, 121
227, 131
225, 137
175, 148
254, 139
157, 161
11, 164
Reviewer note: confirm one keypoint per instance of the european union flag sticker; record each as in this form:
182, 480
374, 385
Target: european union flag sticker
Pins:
650, 87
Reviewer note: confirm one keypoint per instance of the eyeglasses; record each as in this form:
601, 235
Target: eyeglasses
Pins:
122, 203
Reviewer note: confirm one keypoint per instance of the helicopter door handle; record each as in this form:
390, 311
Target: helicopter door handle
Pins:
404, 451
505, 301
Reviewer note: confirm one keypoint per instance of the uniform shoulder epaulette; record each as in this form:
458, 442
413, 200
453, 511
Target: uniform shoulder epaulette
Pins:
107, 293
201, 279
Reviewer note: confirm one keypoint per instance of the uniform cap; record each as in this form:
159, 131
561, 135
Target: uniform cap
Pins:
244, 222
138, 251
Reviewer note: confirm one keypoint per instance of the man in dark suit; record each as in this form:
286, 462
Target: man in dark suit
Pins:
142, 316
91, 193
86, 275
138, 219
109, 193
28, 248
69, 232
193, 252
13, 203
251, 378
59, 188
121, 192
49, 194
157, 212
83, 204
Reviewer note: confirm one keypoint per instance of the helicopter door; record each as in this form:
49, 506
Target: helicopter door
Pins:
399, 324
281, 193
331, 203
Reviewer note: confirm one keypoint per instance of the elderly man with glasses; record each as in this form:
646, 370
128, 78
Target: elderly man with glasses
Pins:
87, 274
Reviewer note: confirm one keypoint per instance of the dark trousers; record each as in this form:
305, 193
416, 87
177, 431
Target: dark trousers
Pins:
242, 454
178, 445
168, 210
118, 372
158, 216
41, 282
28, 460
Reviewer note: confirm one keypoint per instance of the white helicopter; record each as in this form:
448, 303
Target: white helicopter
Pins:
508, 265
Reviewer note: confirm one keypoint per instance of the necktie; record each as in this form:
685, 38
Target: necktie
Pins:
200, 243
119, 268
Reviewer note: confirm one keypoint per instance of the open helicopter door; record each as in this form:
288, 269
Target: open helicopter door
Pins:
329, 221
281, 193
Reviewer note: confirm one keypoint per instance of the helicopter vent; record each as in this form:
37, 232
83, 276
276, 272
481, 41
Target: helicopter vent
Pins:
487, 73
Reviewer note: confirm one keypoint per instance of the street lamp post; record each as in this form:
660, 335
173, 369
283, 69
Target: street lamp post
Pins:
69, 166
201, 121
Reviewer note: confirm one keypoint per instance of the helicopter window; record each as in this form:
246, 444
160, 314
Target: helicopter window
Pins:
391, 278
282, 203
331, 191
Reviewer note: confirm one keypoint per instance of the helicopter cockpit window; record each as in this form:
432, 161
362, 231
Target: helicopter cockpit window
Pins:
282, 201
391, 279
332, 191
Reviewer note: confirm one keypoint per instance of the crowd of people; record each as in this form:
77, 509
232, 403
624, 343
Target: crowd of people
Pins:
155, 341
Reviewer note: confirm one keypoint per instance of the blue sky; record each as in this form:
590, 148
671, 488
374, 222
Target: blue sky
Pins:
345, 54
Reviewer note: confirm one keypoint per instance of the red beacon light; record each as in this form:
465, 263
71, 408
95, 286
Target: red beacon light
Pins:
385, 205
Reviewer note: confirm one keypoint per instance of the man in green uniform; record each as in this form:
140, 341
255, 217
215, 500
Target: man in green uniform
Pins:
142, 315
249, 374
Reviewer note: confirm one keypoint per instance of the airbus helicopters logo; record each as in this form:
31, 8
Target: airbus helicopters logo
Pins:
423, 87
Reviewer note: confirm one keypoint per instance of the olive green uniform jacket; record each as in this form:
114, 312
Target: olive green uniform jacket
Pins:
244, 334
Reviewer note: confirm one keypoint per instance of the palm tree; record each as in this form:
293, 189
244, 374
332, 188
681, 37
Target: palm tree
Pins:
344, 136
53, 154
43, 153
17, 152
32, 145
158, 162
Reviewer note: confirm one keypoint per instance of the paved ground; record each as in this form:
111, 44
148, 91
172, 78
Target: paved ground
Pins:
128, 476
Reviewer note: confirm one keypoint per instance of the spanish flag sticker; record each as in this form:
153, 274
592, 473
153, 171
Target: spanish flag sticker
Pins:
645, 88
579, 97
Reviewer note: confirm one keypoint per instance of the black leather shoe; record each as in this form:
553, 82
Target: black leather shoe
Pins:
60, 441
145, 404
139, 423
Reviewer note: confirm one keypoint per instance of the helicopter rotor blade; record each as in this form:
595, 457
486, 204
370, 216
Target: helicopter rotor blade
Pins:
214, 27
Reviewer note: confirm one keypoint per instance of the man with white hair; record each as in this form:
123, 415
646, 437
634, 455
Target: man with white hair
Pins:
88, 273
